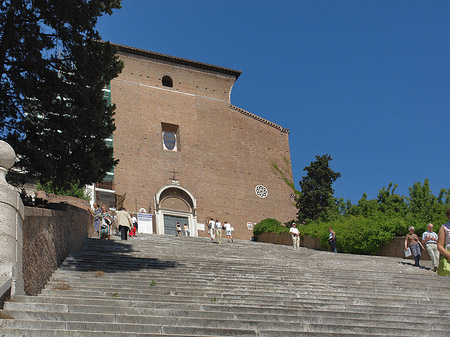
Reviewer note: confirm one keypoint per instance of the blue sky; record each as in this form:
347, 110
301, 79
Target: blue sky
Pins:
367, 82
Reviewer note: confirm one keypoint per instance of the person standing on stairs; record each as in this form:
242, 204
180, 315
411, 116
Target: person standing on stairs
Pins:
295, 233
218, 226
212, 229
105, 223
178, 229
135, 225
332, 240
186, 229
97, 219
412, 241
429, 239
124, 222
227, 227
443, 244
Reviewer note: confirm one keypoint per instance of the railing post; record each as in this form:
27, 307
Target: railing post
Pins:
12, 214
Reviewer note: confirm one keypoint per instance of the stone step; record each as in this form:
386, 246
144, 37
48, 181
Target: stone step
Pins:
96, 258
66, 302
258, 329
269, 322
271, 271
153, 294
223, 297
219, 312
161, 286
65, 333
218, 298
102, 328
229, 312
228, 278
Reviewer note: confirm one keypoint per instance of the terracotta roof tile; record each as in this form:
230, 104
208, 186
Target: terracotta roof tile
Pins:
265, 121
178, 60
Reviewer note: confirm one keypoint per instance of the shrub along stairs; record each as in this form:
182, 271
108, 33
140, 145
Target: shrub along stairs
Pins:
155, 285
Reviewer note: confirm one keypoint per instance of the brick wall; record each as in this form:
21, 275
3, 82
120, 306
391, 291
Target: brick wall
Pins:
48, 237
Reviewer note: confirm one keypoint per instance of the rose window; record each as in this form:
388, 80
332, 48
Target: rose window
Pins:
261, 191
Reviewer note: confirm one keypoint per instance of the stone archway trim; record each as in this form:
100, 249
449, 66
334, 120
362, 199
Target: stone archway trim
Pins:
159, 212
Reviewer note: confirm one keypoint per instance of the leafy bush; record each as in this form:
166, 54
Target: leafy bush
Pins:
269, 226
74, 190
357, 234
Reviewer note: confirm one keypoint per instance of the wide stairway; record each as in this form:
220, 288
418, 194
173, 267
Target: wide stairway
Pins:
156, 285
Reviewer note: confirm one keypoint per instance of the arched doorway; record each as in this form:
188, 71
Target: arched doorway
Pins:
173, 204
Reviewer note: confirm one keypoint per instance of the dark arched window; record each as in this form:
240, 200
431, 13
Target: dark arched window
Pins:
167, 81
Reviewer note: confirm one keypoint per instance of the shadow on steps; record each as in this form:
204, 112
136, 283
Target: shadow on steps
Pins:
113, 256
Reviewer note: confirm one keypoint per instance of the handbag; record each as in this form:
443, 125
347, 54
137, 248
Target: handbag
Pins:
420, 246
444, 266
408, 252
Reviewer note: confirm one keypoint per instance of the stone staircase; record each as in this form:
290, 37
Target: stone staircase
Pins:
156, 285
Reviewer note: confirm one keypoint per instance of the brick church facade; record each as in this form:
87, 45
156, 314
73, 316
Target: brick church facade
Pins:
186, 154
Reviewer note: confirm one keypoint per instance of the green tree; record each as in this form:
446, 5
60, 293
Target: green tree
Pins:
424, 207
53, 70
389, 202
316, 189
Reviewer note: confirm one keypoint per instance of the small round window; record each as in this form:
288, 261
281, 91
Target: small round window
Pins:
170, 140
261, 191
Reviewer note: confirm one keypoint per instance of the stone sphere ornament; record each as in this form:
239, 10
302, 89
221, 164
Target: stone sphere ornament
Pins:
7, 155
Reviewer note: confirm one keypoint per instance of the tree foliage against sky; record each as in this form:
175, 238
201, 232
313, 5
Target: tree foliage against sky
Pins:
365, 226
316, 189
52, 74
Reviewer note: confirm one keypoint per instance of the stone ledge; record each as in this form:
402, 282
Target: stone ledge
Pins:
393, 248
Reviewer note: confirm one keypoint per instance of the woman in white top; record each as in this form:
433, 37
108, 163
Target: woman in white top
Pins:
227, 227
212, 229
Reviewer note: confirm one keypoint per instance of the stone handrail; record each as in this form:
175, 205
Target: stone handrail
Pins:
12, 215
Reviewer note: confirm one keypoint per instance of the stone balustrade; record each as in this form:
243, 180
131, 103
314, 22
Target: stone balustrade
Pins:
11, 222
34, 241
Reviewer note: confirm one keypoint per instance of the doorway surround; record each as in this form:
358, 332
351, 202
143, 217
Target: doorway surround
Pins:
177, 201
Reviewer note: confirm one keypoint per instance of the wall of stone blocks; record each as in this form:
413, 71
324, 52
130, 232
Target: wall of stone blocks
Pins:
48, 237
393, 248
286, 239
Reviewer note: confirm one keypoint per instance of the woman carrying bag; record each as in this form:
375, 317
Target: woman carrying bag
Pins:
412, 240
443, 246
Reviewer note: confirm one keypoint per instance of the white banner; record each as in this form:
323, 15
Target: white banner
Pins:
145, 223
